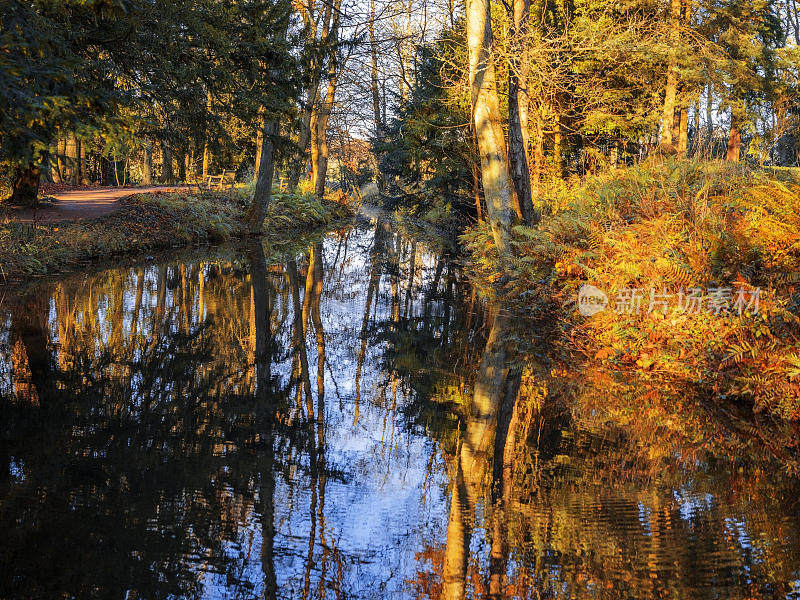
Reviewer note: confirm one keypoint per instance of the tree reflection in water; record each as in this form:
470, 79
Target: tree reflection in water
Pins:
348, 420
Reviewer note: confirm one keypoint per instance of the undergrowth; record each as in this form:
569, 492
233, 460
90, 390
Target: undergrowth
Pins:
147, 222
668, 227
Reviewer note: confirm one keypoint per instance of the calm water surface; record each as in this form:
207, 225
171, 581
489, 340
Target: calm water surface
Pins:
226, 425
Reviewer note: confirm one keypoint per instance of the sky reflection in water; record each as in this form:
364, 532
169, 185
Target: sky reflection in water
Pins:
219, 425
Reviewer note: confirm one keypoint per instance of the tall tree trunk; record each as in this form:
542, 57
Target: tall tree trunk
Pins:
734, 141
259, 147
376, 98
78, 161
71, 153
488, 128
61, 152
167, 175
558, 149
50, 166
710, 118
263, 192
304, 135
147, 167
670, 93
683, 132
538, 151
518, 114
25, 185
682, 114
84, 165
207, 158
319, 128
182, 166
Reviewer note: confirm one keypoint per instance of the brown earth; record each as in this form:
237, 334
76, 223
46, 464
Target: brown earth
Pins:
79, 204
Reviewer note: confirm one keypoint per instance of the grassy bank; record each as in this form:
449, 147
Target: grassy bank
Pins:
666, 228
148, 222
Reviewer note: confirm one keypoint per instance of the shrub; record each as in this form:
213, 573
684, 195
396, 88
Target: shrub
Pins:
669, 225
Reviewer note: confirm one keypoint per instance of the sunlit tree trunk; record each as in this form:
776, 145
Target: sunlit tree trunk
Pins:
734, 141
259, 147
710, 118
671, 90
206, 158
558, 149
488, 127
319, 127
321, 150
61, 150
72, 156
309, 108
476, 175
683, 132
538, 150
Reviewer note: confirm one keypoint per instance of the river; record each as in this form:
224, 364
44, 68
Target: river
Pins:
342, 416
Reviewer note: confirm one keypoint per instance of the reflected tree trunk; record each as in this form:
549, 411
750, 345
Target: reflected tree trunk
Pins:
487, 427
299, 337
262, 316
376, 256
31, 370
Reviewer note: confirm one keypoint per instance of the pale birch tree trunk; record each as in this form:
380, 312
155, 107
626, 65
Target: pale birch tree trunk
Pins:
488, 126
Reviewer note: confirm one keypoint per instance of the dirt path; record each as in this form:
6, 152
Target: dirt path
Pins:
77, 205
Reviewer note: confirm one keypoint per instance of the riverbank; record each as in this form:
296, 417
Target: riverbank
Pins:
694, 271
149, 222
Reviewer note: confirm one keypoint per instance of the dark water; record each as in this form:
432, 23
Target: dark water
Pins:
351, 421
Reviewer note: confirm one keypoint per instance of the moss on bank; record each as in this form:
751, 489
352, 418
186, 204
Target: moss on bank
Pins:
667, 228
148, 222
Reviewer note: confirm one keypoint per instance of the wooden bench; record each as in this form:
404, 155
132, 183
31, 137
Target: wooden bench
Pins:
225, 180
